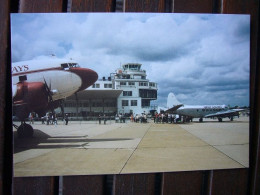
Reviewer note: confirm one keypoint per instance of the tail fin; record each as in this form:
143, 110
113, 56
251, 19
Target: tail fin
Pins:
172, 100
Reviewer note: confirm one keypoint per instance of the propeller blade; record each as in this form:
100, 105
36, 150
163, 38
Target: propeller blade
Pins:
49, 93
77, 105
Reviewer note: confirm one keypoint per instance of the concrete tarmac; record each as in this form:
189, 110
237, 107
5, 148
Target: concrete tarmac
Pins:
83, 148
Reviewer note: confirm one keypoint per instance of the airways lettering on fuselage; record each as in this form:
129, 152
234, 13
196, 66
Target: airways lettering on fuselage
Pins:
213, 107
21, 68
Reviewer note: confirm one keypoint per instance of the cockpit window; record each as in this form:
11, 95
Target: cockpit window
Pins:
73, 64
69, 65
64, 66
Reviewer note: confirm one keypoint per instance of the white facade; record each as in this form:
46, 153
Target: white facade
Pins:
138, 91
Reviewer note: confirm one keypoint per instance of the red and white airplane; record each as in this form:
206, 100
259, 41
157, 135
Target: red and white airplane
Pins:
40, 85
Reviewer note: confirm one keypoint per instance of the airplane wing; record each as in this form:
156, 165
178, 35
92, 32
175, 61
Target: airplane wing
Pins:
174, 108
226, 113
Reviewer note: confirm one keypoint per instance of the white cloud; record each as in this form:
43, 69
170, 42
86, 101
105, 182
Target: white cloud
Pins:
198, 57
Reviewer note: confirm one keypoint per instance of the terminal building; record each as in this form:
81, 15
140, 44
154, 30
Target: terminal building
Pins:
126, 91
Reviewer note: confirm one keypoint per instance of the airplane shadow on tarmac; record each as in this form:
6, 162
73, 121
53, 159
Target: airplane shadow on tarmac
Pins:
39, 137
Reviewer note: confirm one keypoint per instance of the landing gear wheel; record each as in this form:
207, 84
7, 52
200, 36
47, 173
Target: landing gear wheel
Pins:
25, 131
219, 119
201, 120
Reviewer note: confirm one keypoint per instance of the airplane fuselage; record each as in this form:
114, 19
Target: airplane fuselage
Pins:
63, 77
200, 111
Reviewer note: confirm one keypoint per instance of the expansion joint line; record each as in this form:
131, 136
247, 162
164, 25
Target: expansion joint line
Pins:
228, 156
135, 149
214, 146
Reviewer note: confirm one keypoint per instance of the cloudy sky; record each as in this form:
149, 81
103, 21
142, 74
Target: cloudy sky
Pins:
202, 59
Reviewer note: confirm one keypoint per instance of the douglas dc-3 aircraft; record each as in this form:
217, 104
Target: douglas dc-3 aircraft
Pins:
200, 111
40, 85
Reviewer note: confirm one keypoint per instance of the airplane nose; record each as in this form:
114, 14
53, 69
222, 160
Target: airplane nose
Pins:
88, 77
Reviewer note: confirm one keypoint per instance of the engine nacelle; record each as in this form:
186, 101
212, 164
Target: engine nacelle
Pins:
29, 97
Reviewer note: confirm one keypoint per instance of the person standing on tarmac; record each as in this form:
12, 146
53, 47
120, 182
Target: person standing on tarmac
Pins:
99, 119
66, 119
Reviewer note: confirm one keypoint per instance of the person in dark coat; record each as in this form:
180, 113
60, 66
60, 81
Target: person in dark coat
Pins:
66, 119
99, 119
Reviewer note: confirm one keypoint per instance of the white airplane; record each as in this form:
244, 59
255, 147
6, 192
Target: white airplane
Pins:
40, 85
200, 111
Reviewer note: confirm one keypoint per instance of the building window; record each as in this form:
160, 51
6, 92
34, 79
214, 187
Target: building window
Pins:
137, 77
124, 102
133, 102
97, 85
152, 84
148, 93
143, 84
131, 83
108, 85
127, 93
126, 76
110, 103
85, 104
122, 83
145, 103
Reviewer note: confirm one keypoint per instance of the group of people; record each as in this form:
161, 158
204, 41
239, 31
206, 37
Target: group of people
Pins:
142, 118
100, 117
51, 119
120, 118
164, 118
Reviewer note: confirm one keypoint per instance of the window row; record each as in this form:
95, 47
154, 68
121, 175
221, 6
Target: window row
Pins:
126, 102
140, 84
127, 76
127, 93
147, 93
92, 104
106, 85
129, 83
122, 83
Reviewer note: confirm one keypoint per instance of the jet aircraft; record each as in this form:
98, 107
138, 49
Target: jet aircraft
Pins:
40, 85
200, 111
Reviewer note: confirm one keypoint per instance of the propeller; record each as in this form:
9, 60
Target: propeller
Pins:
48, 90
62, 108
49, 93
77, 105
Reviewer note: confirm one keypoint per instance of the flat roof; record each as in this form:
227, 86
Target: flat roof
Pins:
90, 94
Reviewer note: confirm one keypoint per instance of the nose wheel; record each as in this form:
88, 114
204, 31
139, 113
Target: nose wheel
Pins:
25, 131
